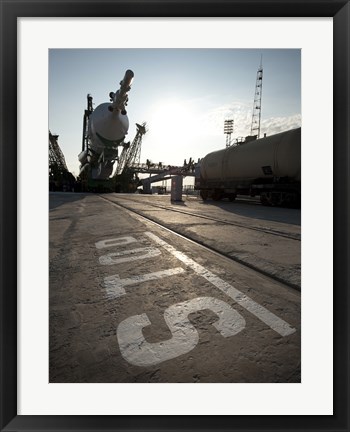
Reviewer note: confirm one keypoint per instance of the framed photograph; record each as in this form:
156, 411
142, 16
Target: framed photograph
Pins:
44, 45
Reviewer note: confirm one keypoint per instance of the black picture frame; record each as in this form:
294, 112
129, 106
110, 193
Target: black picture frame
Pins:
13, 9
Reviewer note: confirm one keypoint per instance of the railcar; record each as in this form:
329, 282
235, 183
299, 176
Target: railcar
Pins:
269, 167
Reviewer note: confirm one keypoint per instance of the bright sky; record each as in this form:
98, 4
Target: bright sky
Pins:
184, 96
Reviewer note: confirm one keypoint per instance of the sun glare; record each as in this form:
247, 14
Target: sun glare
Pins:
180, 129
173, 120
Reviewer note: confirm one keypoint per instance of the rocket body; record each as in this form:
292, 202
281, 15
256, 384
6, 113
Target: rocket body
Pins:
107, 126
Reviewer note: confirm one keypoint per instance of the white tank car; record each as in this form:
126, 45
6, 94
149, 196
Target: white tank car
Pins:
105, 128
269, 167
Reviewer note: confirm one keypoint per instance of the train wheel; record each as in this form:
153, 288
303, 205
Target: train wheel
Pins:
264, 199
276, 199
204, 195
217, 195
292, 200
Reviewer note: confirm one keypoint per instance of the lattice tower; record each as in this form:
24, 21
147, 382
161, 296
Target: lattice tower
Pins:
256, 118
56, 158
131, 155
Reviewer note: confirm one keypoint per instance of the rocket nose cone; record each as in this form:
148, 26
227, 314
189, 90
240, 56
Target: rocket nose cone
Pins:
128, 77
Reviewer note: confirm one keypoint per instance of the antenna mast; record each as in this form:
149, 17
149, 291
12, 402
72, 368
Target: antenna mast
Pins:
256, 118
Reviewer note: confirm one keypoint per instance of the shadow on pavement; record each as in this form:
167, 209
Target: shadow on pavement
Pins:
57, 199
258, 211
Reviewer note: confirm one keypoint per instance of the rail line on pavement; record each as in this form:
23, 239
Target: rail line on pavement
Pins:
203, 245
289, 236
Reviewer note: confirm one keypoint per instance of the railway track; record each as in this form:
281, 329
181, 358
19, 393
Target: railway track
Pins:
203, 244
290, 236
141, 303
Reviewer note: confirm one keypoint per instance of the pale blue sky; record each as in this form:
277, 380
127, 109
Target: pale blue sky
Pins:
184, 95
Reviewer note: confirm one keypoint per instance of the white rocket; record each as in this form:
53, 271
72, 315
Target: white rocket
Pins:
107, 127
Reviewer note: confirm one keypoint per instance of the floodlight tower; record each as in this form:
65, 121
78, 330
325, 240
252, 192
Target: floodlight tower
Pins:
256, 118
228, 129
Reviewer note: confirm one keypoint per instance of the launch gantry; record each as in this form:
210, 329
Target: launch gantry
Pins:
59, 176
131, 155
56, 158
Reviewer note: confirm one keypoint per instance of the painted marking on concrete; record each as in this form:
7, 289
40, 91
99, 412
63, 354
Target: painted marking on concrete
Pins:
274, 322
137, 351
119, 241
115, 286
129, 255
